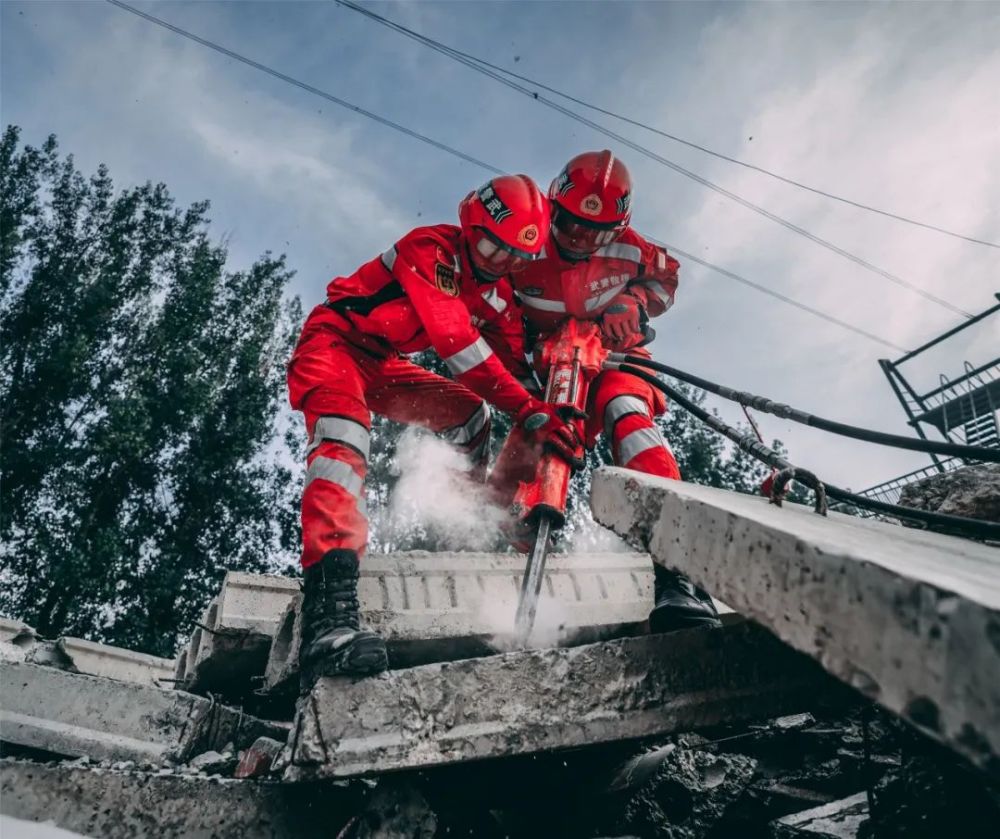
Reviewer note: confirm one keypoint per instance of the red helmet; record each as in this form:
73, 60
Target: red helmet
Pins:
504, 222
591, 202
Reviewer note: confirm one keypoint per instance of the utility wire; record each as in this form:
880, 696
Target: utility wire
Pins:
474, 64
805, 307
304, 86
690, 144
468, 158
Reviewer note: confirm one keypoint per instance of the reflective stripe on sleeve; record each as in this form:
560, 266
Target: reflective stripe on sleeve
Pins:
389, 258
473, 355
592, 303
622, 406
659, 291
336, 472
637, 442
462, 435
542, 304
619, 250
341, 430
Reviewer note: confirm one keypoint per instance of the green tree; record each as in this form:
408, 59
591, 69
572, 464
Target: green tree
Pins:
140, 385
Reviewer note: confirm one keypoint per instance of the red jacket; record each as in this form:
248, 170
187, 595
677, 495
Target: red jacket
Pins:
421, 294
552, 288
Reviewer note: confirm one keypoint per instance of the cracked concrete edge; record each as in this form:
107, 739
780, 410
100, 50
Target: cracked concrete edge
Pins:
532, 701
80, 715
909, 618
115, 804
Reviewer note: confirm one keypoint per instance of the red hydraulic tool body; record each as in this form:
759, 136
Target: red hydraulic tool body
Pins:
573, 356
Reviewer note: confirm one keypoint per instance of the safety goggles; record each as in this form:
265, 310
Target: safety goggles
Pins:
582, 236
498, 258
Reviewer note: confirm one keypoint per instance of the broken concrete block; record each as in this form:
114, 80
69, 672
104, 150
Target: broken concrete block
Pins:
972, 491
79, 715
837, 820
17, 633
446, 606
116, 663
256, 760
254, 602
907, 617
531, 701
124, 804
222, 659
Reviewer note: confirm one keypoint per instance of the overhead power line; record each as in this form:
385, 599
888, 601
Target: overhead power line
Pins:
480, 67
857, 330
469, 159
697, 146
304, 86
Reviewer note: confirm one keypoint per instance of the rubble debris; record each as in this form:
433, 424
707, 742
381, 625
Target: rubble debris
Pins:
906, 617
688, 795
835, 820
397, 810
256, 760
931, 796
972, 491
78, 715
537, 700
213, 763
113, 804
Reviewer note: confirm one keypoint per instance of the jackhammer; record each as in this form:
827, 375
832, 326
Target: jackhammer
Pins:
573, 355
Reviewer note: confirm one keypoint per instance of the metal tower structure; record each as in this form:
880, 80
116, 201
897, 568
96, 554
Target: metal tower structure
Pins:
964, 409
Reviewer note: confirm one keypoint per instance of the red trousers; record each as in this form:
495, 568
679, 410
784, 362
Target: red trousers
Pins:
621, 406
337, 386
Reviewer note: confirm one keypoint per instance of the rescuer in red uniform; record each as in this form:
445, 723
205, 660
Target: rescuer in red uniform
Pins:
429, 290
595, 267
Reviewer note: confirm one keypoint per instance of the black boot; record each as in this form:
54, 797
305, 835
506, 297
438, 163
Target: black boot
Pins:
333, 643
679, 604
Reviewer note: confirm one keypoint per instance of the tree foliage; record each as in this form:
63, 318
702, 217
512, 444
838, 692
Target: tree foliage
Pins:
140, 385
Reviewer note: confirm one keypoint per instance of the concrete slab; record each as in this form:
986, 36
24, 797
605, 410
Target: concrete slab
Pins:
116, 663
532, 701
837, 820
79, 715
909, 618
114, 804
447, 606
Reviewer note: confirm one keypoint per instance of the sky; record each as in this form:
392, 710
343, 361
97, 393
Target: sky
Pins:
893, 105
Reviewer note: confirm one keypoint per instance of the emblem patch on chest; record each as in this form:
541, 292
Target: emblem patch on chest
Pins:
444, 277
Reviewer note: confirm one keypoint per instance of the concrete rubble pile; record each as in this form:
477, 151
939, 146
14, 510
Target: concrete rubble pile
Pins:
757, 729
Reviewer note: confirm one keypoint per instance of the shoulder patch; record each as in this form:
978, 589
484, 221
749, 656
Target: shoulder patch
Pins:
444, 278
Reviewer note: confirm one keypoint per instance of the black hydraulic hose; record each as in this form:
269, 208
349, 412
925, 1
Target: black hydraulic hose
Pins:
779, 409
956, 524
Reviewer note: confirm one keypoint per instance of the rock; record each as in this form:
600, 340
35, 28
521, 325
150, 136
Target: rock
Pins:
689, 795
256, 761
973, 492
793, 722
214, 763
